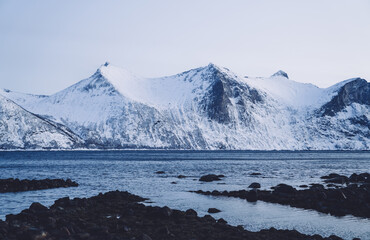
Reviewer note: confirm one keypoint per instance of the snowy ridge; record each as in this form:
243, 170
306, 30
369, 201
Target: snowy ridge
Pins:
295, 94
207, 108
172, 91
20, 129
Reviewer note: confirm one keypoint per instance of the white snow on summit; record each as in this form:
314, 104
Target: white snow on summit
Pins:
292, 93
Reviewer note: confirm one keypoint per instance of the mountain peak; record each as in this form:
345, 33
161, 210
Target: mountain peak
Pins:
115, 74
216, 68
280, 73
212, 66
106, 64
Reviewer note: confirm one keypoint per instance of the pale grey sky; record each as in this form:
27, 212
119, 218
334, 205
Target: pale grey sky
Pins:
47, 45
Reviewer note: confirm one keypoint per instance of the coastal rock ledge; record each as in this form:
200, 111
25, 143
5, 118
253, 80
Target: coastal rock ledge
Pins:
16, 185
119, 215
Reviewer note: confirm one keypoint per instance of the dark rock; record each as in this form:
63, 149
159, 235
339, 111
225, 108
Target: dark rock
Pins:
213, 210
355, 178
83, 235
145, 237
210, 178
62, 202
337, 195
209, 218
333, 237
222, 221
216, 193
284, 188
191, 212
331, 175
51, 222
166, 211
360, 178
164, 231
366, 176
317, 187
65, 232
254, 185
37, 207
16, 185
303, 186
339, 180
251, 196
160, 172
181, 176
255, 174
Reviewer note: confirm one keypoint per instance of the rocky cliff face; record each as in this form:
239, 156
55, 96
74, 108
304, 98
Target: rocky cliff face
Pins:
356, 91
204, 108
217, 101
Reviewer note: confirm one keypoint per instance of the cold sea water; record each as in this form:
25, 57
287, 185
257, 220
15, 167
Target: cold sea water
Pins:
134, 171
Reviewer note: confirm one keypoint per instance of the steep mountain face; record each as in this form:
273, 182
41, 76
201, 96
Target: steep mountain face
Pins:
356, 91
207, 108
20, 129
217, 102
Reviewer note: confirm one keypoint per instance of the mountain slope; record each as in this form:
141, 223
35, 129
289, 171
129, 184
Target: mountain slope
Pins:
20, 129
207, 108
347, 127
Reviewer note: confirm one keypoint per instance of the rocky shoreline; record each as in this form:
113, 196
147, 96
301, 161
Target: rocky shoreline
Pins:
342, 196
119, 215
16, 185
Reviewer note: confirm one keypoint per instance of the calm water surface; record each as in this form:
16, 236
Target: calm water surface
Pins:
134, 171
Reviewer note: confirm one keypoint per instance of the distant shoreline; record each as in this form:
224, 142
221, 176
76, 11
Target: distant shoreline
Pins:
171, 150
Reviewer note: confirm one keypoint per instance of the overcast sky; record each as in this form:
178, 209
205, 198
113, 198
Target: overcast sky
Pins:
48, 45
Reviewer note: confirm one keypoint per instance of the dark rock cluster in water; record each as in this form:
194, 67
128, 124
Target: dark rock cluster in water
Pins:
16, 185
353, 198
363, 178
118, 215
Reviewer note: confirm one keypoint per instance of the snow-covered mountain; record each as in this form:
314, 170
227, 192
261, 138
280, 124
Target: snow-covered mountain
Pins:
207, 108
20, 129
